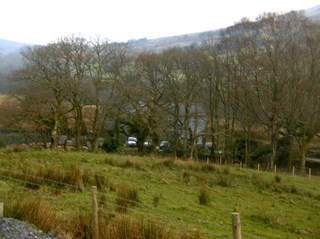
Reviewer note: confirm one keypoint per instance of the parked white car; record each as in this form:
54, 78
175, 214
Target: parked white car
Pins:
131, 142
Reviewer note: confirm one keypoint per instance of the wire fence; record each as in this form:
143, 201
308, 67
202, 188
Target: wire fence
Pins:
157, 214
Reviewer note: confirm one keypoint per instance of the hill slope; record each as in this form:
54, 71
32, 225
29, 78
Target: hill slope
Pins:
181, 193
11, 47
313, 13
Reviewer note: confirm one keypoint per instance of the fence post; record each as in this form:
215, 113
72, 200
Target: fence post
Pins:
293, 169
275, 168
95, 222
236, 226
309, 173
258, 167
1, 209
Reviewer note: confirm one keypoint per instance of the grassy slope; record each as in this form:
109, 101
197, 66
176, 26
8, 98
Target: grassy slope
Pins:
269, 209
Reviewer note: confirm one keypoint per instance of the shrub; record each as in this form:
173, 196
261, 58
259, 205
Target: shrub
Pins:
2, 144
111, 145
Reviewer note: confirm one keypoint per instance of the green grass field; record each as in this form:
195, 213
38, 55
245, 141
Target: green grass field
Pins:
185, 196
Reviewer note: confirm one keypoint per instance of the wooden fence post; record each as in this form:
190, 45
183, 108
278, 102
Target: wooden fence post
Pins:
95, 221
293, 169
1, 209
275, 168
236, 226
258, 167
309, 173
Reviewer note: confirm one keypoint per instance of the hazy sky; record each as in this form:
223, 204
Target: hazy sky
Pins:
43, 21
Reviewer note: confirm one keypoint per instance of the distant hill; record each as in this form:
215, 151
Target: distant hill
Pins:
313, 13
160, 44
10, 59
11, 47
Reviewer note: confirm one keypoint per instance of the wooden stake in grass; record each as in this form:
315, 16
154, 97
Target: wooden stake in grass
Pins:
293, 169
258, 167
309, 173
95, 223
275, 168
236, 226
1, 209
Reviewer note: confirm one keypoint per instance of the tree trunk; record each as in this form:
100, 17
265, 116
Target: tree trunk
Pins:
55, 128
273, 150
95, 133
304, 145
140, 142
78, 127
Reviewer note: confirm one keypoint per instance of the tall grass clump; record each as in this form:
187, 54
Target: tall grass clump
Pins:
132, 164
203, 196
268, 218
81, 226
100, 181
34, 211
277, 178
126, 195
156, 199
225, 180
208, 168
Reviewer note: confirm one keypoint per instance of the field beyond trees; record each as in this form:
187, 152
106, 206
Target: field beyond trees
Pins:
51, 190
